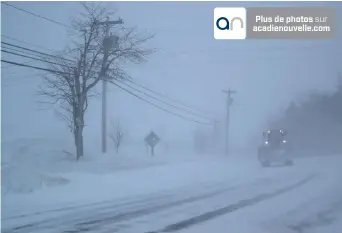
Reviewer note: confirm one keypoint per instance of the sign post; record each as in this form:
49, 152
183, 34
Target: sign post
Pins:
152, 140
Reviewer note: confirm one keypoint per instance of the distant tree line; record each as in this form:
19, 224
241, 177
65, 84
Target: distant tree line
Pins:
315, 125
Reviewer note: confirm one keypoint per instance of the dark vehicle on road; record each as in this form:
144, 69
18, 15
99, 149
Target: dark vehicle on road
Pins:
274, 149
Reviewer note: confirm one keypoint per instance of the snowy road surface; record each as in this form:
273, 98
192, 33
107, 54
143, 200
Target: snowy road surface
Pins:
218, 196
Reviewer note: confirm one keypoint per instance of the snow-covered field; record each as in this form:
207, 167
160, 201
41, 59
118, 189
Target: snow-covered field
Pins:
38, 163
171, 192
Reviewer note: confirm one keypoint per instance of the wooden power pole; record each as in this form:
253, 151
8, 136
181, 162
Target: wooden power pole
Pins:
108, 43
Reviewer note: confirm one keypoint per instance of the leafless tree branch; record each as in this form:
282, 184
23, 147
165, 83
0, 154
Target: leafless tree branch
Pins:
72, 83
116, 135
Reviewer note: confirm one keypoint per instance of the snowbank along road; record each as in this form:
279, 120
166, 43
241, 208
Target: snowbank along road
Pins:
268, 196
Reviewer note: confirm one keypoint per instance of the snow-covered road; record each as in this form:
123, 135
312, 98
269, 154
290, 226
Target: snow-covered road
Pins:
221, 195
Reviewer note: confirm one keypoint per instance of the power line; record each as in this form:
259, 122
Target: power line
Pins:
33, 67
28, 52
33, 58
126, 90
40, 57
146, 94
34, 45
36, 15
21, 41
21, 52
24, 65
16, 50
171, 105
157, 93
166, 97
161, 108
155, 29
35, 51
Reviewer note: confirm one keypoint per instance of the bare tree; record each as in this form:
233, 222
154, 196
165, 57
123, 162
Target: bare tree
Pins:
116, 135
71, 82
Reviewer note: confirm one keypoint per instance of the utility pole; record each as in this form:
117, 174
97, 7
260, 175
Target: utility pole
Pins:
228, 104
108, 43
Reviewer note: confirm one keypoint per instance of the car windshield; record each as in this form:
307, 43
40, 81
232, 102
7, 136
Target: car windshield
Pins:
275, 137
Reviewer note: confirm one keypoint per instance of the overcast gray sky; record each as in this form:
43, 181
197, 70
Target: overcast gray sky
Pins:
191, 66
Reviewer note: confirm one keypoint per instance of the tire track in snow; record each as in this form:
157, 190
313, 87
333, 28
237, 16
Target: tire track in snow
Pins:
114, 219
142, 201
231, 208
154, 204
122, 202
118, 202
117, 216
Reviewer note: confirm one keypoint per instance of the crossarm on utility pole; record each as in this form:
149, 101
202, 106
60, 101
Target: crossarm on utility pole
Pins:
110, 22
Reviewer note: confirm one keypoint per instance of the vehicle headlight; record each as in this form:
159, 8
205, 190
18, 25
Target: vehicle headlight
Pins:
284, 141
266, 142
